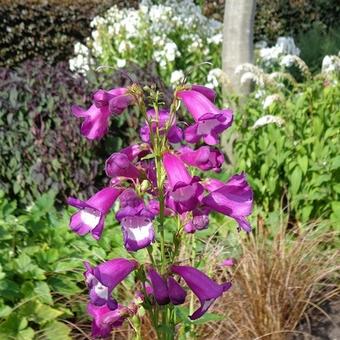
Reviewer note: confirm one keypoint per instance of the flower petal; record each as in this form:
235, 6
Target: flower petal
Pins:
175, 169
159, 287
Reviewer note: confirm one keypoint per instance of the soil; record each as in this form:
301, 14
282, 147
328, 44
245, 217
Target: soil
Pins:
322, 327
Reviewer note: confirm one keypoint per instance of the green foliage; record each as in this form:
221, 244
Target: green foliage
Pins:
175, 35
46, 29
41, 281
295, 166
328, 43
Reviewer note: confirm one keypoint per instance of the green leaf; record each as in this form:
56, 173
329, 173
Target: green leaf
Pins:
64, 285
43, 292
208, 317
56, 330
22, 262
303, 162
5, 311
45, 313
26, 334
295, 180
335, 163
68, 266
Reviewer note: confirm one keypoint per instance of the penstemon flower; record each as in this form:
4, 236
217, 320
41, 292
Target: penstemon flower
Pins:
159, 178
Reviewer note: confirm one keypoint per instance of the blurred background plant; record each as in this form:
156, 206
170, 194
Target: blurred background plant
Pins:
175, 34
287, 140
41, 146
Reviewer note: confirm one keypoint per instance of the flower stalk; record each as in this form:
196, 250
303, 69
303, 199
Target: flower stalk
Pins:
158, 179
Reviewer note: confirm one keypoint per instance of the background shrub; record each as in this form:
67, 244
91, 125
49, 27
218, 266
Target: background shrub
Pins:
327, 44
295, 166
41, 146
47, 29
276, 18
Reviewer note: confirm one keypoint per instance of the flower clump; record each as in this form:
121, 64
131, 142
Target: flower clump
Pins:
174, 34
159, 178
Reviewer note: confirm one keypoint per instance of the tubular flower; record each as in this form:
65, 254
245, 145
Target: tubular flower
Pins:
234, 199
210, 121
184, 190
119, 165
204, 158
202, 286
135, 151
166, 291
136, 222
101, 280
92, 213
96, 118
174, 133
105, 319
206, 91
199, 221
159, 287
177, 294
118, 104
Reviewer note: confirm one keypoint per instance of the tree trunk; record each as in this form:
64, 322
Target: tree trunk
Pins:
237, 42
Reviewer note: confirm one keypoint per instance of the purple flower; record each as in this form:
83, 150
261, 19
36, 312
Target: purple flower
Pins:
166, 291
174, 133
210, 121
199, 221
206, 91
105, 319
136, 221
204, 158
102, 98
184, 190
118, 104
177, 294
202, 286
228, 262
135, 151
102, 279
92, 213
159, 287
96, 120
119, 165
234, 199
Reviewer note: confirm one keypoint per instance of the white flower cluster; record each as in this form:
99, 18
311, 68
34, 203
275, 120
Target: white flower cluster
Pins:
214, 78
163, 33
331, 64
176, 77
270, 100
80, 63
284, 46
268, 119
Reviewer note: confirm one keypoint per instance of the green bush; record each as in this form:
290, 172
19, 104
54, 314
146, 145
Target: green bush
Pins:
175, 35
46, 29
295, 166
327, 44
41, 264
276, 18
